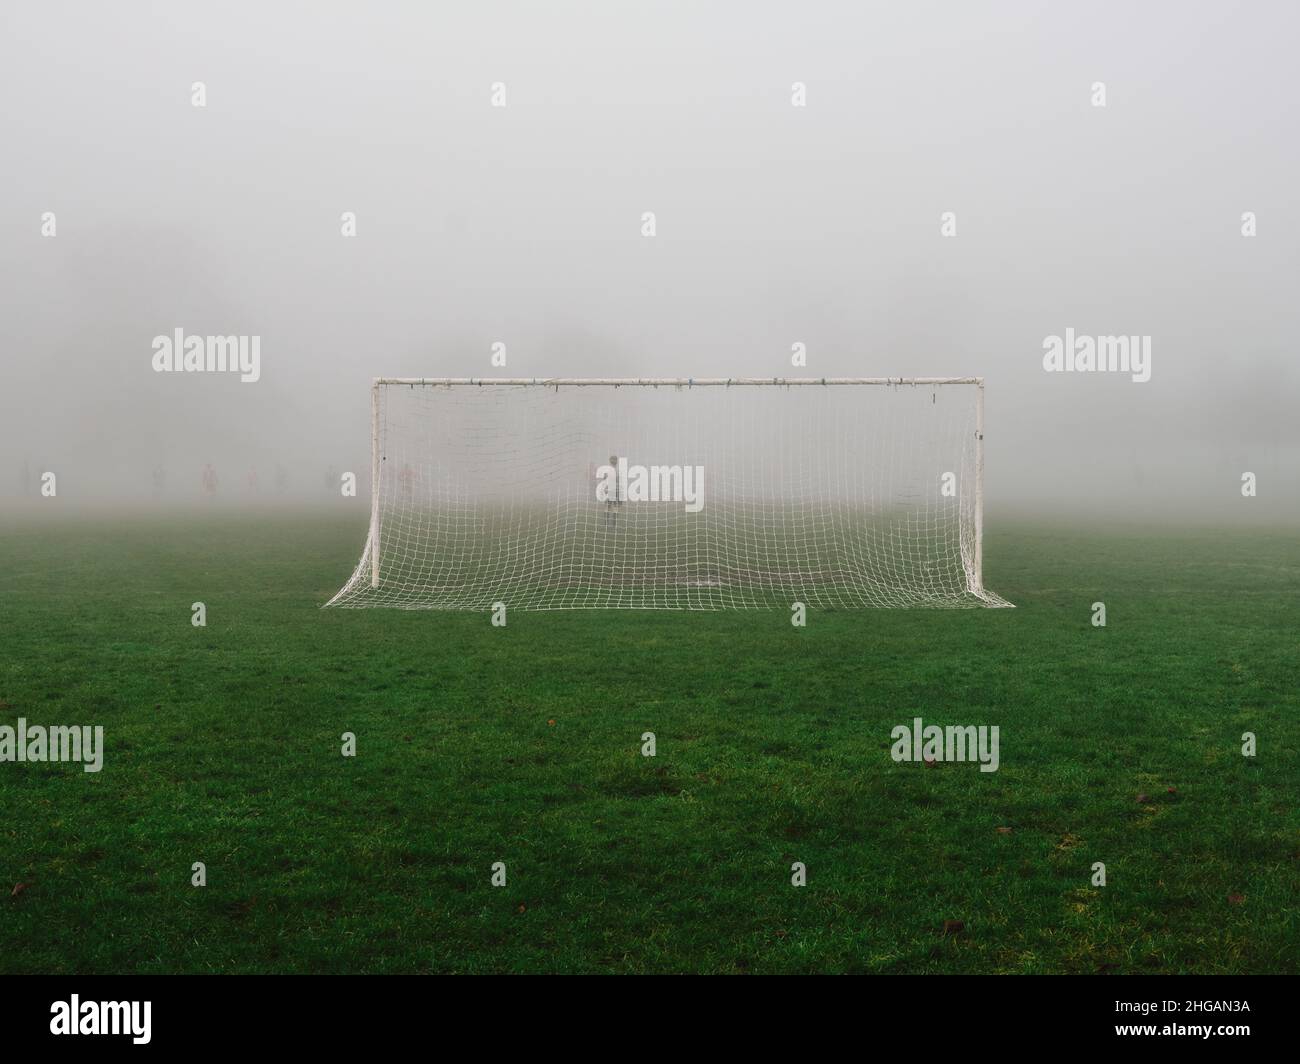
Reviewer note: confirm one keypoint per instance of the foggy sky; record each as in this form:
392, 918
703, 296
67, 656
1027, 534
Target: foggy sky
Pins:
776, 224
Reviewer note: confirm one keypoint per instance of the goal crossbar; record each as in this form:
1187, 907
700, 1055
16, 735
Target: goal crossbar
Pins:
680, 382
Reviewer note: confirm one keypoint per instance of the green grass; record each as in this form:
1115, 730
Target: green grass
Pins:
479, 744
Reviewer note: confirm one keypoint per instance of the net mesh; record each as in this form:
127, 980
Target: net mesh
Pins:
672, 497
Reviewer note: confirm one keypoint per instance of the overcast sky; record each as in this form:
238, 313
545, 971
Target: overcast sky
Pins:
775, 224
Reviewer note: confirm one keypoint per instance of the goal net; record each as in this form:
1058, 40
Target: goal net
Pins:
676, 494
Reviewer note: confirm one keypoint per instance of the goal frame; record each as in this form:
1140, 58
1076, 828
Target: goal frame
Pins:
676, 382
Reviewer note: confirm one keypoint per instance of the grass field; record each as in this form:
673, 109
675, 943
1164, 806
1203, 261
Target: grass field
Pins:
478, 744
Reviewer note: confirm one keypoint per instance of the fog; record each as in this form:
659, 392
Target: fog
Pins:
775, 224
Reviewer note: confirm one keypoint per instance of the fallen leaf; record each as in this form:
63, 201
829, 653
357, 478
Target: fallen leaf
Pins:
1004, 831
522, 907
952, 927
551, 722
1171, 790
18, 889
1236, 899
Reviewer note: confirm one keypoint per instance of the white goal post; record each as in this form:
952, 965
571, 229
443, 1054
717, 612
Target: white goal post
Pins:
674, 493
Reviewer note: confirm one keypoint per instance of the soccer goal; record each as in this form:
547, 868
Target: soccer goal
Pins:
696, 494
